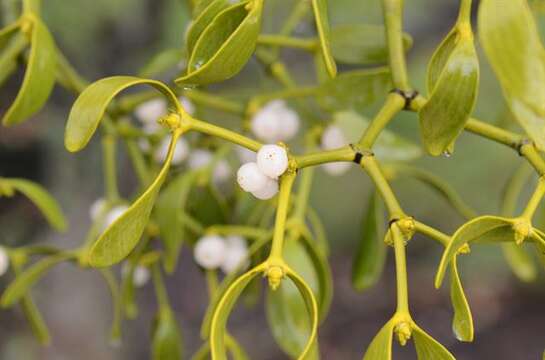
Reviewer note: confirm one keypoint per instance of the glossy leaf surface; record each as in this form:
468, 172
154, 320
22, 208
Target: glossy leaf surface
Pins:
462, 324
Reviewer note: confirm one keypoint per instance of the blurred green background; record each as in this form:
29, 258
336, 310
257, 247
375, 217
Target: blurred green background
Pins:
107, 37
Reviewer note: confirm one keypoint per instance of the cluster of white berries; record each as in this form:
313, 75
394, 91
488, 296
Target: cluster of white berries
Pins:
261, 178
4, 261
334, 138
227, 253
98, 211
140, 274
275, 122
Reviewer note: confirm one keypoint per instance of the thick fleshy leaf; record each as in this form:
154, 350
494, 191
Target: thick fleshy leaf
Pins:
226, 45
381, 346
322, 24
170, 204
23, 282
371, 255
40, 197
462, 324
204, 19
355, 89
163, 61
428, 348
122, 236
388, 147
520, 262
39, 76
362, 44
167, 338
512, 44
481, 229
91, 105
454, 81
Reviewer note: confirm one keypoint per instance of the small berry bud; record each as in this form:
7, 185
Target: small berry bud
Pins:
180, 152
4, 261
404, 332
275, 122
272, 160
209, 252
140, 274
268, 191
250, 178
151, 110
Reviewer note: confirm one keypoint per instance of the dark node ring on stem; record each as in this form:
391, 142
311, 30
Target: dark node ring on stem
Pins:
521, 144
359, 154
393, 221
409, 96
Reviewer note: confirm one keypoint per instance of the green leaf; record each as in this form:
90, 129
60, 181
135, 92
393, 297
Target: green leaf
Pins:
481, 229
39, 76
453, 78
428, 348
388, 147
322, 24
462, 324
122, 236
23, 282
511, 42
167, 338
35, 319
520, 262
362, 44
91, 105
12, 44
381, 346
40, 197
355, 89
163, 61
205, 17
226, 45
170, 204
370, 257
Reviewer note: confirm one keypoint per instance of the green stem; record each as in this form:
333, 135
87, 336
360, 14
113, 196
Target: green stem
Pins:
286, 184
345, 154
225, 134
530, 152
394, 34
464, 15
401, 270
393, 105
12, 50
212, 282
433, 233
303, 194
535, 200
160, 288
288, 41
110, 171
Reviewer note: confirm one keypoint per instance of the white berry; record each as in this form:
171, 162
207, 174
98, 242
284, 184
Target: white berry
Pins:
209, 252
250, 178
4, 261
151, 111
140, 274
268, 191
113, 215
265, 123
233, 241
336, 168
272, 160
180, 152
289, 124
235, 257
97, 208
333, 138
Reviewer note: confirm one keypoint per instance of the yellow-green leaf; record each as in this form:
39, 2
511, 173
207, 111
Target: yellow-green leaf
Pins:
362, 44
167, 338
481, 229
322, 24
462, 323
122, 236
90, 106
511, 42
381, 346
428, 348
204, 19
23, 282
453, 78
39, 76
226, 45
371, 254
12, 44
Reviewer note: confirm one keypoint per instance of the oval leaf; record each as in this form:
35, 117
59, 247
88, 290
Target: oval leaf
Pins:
204, 19
371, 254
512, 44
381, 346
322, 24
122, 236
362, 44
462, 324
39, 76
91, 105
428, 348
226, 45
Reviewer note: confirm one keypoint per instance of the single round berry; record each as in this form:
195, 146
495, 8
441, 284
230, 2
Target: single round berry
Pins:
272, 160
333, 138
289, 124
235, 258
180, 152
4, 261
97, 209
209, 252
268, 191
265, 123
151, 111
236, 241
250, 178
114, 214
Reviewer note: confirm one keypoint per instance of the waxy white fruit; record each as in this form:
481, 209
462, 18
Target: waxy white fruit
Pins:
268, 191
209, 252
140, 275
97, 208
150, 111
272, 160
235, 257
275, 122
250, 178
180, 152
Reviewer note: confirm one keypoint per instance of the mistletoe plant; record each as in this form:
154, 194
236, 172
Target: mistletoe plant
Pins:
184, 164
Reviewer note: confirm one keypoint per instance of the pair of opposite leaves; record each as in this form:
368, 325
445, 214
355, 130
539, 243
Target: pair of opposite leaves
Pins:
223, 36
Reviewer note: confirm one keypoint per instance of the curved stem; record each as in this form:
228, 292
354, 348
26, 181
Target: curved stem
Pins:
393, 12
288, 41
433, 233
535, 200
345, 154
371, 166
213, 130
393, 105
286, 184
